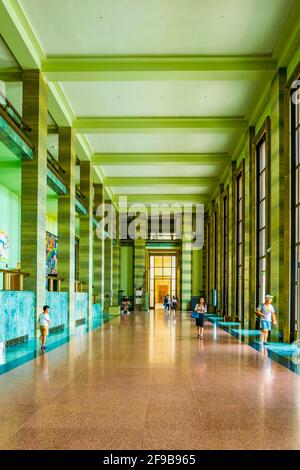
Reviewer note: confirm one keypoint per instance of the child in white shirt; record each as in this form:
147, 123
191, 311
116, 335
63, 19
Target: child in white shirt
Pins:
44, 322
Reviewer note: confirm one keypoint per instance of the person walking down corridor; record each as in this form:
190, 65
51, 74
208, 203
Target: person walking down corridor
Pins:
266, 312
44, 322
125, 306
174, 303
201, 308
167, 303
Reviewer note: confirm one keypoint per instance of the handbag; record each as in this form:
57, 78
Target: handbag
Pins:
194, 315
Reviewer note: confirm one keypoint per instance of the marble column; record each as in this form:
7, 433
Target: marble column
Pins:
186, 262
139, 266
34, 187
86, 235
98, 252
108, 268
279, 266
116, 264
66, 218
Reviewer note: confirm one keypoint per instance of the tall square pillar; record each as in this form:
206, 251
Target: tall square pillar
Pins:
186, 261
116, 264
139, 266
108, 270
34, 187
66, 218
98, 251
278, 219
86, 235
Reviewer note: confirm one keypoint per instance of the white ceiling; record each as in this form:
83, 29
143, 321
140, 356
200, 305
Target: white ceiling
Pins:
160, 189
177, 98
152, 171
181, 28
163, 143
215, 27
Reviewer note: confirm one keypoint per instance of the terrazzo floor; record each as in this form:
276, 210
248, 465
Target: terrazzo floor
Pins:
147, 382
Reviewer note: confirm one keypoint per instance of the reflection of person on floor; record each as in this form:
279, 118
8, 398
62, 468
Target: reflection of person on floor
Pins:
174, 303
44, 322
266, 312
201, 308
125, 306
44, 366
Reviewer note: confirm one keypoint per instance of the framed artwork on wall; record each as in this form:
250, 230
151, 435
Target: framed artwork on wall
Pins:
51, 253
4, 247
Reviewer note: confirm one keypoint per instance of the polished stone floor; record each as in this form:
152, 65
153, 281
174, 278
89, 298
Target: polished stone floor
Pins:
146, 381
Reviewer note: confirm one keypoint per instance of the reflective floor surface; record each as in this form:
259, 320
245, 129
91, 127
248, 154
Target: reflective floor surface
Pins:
286, 354
145, 381
19, 354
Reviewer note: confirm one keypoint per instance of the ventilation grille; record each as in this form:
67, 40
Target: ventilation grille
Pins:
13, 342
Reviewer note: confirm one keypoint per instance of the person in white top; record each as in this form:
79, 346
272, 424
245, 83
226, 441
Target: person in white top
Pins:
44, 322
266, 312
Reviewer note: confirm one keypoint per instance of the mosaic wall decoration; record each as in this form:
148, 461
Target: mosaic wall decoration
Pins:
51, 253
4, 247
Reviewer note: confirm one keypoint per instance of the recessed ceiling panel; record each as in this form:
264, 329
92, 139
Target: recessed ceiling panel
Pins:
152, 171
161, 189
93, 27
176, 98
163, 143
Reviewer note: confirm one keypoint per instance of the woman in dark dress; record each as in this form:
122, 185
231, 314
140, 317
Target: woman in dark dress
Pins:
201, 308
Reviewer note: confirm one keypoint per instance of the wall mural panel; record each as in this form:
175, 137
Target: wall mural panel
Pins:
4, 247
51, 253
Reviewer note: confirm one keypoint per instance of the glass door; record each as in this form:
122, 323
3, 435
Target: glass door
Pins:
162, 277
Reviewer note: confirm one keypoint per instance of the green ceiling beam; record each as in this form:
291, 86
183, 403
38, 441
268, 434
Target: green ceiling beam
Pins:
122, 68
18, 35
59, 107
10, 164
160, 158
163, 198
163, 181
124, 125
13, 74
289, 38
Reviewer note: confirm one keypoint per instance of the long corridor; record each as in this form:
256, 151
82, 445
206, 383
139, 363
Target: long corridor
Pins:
145, 381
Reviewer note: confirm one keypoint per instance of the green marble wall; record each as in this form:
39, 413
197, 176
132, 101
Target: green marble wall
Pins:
17, 315
81, 306
59, 308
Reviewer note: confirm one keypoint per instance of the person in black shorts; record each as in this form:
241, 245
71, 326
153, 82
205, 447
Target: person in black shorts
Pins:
201, 308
